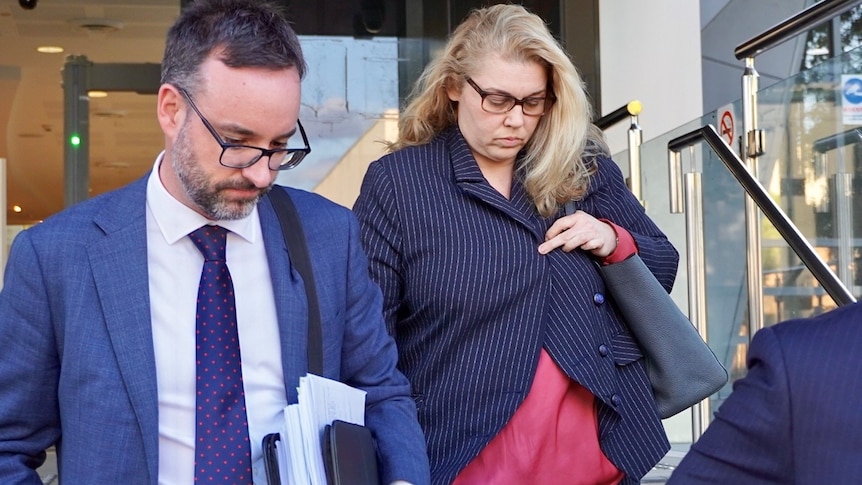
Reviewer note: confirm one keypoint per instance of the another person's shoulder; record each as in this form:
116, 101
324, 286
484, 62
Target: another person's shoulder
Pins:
838, 328
843, 317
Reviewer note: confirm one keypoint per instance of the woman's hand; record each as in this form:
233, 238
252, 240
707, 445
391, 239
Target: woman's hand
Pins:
580, 230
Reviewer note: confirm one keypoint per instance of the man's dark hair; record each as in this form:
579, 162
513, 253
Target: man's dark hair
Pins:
242, 33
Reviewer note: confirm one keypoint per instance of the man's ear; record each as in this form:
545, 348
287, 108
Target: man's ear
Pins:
170, 110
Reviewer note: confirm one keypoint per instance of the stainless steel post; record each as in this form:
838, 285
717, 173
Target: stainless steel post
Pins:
751, 148
696, 282
844, 222
635, 140
689, 198
675, 182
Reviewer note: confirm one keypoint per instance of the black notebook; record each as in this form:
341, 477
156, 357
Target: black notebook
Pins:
349, 455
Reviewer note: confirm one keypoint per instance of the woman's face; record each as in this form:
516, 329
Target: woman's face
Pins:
496, 138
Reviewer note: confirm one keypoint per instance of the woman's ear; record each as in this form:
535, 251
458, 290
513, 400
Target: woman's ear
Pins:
453, 90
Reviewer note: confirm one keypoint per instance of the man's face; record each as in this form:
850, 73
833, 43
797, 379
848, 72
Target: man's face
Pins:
248, 106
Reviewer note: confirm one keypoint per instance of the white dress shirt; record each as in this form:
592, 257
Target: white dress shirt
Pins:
174, 272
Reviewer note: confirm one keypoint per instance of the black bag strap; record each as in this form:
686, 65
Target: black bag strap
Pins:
294, 236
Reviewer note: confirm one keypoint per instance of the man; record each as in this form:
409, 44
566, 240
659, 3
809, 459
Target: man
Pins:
104, 321
795, 417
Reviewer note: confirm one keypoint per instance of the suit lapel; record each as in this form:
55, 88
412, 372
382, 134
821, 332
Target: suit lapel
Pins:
119, 265
469, 178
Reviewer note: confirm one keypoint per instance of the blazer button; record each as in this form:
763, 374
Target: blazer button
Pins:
616, 400
603, 350
598, 299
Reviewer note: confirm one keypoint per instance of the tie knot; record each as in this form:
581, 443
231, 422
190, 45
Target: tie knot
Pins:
211, 242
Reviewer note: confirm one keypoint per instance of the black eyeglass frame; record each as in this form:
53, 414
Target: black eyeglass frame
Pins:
548, 99
298, 153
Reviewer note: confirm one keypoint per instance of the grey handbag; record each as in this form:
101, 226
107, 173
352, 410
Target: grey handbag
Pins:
681, 367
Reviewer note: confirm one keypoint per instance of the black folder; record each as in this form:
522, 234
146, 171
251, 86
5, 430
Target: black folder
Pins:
349, 455
270, 459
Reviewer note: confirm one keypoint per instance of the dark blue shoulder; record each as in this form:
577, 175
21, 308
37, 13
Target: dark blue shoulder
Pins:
844, 322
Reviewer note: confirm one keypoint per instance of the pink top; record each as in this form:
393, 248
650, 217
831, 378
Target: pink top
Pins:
553, 436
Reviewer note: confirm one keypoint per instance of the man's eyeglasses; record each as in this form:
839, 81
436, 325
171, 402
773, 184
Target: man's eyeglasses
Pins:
499, 103
234, 155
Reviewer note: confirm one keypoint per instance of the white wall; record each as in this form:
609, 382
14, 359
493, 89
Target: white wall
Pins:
650, 51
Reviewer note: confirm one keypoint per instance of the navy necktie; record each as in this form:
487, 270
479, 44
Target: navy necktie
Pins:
222, 449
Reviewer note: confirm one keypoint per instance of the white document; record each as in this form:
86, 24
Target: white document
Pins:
321, 401
291, 463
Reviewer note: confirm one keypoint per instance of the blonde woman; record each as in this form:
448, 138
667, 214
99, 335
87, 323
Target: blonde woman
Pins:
521, 369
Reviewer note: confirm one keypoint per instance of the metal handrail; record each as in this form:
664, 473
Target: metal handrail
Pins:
799, 23
833, 286
831, 142
633, 108
635, 140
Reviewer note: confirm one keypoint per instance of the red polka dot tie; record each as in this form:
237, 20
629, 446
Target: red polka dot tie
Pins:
222, 450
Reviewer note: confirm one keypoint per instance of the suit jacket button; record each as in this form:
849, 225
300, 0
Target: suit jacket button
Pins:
603, 350
598, 299
616, 400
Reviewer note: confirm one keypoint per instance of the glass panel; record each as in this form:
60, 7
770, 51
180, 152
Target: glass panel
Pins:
725, 250
811, 167
350, 101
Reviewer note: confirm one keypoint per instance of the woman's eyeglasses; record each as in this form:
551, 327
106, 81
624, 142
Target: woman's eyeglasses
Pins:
499, 103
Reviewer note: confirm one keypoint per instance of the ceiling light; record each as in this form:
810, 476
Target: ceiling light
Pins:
97, 94
49, 49
96, 25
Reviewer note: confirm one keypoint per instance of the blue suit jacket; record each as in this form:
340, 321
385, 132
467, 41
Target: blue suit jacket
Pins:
78, 367
796, 417
472, 302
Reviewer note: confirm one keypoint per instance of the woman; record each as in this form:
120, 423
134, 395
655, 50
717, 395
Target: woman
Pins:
521, 371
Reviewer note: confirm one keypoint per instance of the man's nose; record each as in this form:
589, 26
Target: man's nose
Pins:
259, 173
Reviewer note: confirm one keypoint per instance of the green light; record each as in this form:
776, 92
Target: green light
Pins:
75, 140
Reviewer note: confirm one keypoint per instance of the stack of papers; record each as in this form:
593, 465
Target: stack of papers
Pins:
321, 400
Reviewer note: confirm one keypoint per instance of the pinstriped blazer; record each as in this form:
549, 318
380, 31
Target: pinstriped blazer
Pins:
471, 302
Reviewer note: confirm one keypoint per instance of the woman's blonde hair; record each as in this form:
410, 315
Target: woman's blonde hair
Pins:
559, 158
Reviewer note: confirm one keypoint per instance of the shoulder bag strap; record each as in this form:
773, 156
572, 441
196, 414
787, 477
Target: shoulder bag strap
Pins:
291, 228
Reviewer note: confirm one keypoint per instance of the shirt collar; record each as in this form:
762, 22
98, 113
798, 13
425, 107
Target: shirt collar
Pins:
175, 220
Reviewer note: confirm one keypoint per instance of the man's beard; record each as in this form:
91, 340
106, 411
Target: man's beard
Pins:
209, 197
